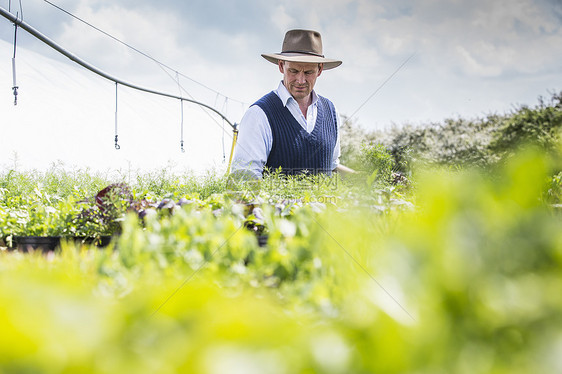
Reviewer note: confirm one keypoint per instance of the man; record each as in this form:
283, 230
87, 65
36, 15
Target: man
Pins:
292, 127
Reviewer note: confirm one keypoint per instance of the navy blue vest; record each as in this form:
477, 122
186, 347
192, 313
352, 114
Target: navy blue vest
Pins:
293, 148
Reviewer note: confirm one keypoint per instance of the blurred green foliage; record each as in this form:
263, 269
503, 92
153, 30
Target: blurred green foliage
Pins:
466, 282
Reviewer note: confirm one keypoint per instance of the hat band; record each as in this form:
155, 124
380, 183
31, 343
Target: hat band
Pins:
306, 53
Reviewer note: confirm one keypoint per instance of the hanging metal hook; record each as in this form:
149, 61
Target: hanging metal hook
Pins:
181, 140
117, 146
15, 86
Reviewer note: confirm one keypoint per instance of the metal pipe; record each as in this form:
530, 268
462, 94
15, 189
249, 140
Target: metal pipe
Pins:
95, 70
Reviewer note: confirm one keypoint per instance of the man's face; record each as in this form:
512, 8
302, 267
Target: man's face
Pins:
299, 78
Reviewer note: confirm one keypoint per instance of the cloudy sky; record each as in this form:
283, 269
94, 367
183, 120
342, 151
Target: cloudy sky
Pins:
468, 58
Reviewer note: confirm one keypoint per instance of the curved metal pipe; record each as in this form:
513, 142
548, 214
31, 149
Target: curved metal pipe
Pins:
97, 71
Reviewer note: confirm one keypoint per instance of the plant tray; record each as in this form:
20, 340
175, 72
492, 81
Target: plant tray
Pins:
50, 243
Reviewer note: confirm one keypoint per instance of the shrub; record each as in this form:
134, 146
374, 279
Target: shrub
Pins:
539, 126
469, 142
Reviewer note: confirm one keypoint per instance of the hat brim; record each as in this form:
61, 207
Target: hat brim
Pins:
299, 57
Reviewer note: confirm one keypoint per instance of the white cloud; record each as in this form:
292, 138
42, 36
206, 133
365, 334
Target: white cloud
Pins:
280, 19
498, 36
470, 62
153, 35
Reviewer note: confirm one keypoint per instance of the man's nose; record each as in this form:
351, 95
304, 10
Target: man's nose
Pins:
300, 78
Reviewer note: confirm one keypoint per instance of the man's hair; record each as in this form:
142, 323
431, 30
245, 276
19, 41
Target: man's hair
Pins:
283, 62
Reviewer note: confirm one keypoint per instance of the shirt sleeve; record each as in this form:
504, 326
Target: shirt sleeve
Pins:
337, 150
254, 143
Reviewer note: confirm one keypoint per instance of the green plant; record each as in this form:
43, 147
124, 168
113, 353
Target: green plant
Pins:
467, 281
539, 126
378, 163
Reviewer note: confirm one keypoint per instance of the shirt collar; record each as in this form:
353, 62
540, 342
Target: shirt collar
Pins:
285, 96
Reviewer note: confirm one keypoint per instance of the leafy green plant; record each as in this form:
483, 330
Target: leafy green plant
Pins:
539, 126
377, 163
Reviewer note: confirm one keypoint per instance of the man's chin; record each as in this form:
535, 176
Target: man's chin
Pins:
300, 94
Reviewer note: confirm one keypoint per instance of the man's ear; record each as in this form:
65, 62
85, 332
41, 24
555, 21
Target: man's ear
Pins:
281, 66
320, 69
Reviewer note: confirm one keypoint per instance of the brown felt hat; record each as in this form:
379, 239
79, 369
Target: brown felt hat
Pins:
302, 46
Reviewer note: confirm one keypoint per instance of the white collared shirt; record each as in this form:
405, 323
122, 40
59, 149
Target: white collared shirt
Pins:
255, 138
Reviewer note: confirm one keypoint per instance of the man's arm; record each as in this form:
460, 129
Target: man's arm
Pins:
253, 145
344, 170
336, 166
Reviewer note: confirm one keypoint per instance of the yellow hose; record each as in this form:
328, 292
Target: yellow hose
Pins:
234, 138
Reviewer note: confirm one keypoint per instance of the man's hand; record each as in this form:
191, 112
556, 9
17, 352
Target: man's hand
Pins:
344, 170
